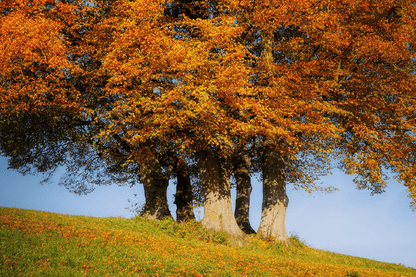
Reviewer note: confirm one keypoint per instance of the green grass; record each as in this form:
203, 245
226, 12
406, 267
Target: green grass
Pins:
34, 243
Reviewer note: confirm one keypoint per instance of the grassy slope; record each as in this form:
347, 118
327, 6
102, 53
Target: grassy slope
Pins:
34, 243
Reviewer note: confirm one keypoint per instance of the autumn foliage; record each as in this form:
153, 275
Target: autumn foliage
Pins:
140, 86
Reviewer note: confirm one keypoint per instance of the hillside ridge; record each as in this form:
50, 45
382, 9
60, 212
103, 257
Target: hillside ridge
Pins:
37, 243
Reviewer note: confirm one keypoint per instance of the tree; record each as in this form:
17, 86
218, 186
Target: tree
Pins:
241, 170
300, 85
69, 111
309, 46
184, 196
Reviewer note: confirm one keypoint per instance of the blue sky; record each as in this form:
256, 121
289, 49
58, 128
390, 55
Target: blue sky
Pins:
380, 227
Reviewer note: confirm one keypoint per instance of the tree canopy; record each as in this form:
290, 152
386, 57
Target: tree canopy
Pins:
132, 89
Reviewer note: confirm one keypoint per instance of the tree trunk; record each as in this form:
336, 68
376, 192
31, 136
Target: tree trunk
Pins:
275, 200
155, 185
218, 210
183, 196
242, 204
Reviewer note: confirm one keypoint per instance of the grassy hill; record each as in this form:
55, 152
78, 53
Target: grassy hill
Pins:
35, 243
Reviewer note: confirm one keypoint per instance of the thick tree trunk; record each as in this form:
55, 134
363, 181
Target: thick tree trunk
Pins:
242, 204
218, 210
275, 200
155, 185
183, 196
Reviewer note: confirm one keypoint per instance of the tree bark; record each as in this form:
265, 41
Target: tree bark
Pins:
275, 200
155, 185
242, 204
218, 211
183, 196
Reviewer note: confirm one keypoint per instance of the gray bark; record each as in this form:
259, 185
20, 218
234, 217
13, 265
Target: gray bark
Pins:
183, 196
275, 200
218, 213
155, 185
242, 205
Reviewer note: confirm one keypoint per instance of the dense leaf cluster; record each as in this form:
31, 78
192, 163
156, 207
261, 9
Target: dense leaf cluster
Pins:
146, 91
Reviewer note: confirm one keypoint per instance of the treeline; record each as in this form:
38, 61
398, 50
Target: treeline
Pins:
202, 91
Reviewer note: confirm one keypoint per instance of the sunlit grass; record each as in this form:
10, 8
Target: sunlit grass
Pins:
34, 243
